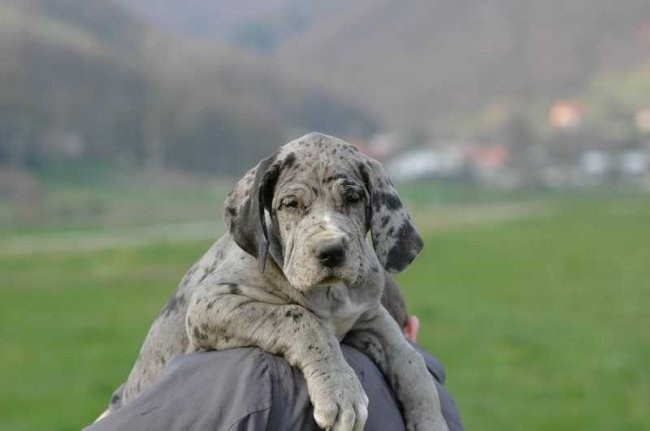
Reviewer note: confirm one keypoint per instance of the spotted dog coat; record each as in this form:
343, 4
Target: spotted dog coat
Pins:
294, 275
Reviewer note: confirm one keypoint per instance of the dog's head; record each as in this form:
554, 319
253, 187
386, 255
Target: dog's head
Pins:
311, 205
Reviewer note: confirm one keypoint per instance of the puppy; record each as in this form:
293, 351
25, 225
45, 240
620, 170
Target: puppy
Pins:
295, 274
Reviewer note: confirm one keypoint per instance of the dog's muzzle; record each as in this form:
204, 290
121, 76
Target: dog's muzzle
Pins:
330, 253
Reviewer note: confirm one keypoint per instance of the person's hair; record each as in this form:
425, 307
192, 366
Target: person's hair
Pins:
393, 302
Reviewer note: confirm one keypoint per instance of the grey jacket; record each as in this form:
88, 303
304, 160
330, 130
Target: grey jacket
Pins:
249, 389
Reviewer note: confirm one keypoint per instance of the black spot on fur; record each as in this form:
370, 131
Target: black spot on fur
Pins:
408, 244
296, 315
206, 272
213, 265
384, 220
192, 270
388, 200
232, 211
115, 398
199, 335
233, 288
370, 346
289, 160
175, 302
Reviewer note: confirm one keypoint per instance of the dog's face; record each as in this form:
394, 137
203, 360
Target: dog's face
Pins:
319, 215
311, 206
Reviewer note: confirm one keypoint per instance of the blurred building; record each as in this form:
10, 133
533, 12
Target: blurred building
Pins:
565, 114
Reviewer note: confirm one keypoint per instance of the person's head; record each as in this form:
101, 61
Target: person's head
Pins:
394, 303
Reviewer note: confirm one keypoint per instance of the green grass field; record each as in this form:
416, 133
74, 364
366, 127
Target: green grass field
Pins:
541, 318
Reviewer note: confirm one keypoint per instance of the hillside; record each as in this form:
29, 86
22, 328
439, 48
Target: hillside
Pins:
441, 65
203, 18
416, 62
91, 81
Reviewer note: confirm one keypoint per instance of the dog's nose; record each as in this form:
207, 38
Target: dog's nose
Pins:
330, 253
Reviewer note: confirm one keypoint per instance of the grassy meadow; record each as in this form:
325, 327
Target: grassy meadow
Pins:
537, 306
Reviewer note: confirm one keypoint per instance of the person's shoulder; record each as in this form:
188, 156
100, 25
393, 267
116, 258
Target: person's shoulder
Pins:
238, 381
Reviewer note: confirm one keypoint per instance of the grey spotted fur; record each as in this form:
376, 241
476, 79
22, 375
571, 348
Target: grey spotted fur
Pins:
262, 285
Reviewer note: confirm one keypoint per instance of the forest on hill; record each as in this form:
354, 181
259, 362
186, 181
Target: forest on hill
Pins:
150, 86
93, 81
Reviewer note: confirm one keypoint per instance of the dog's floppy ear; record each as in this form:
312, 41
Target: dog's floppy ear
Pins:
244, 209
394, 237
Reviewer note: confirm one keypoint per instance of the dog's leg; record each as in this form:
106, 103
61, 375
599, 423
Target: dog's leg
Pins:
219, 321
378, 335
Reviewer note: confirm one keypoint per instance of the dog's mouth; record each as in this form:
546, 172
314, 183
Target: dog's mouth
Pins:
310, 274
329, 280
346, 275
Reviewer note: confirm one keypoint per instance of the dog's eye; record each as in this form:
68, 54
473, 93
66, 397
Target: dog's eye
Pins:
290, 203
353, 195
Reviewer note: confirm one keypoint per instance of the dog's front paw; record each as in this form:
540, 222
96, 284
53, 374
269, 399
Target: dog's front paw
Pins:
340, 403
424, 416
425, 421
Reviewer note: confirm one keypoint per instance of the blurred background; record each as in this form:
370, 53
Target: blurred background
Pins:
517, 132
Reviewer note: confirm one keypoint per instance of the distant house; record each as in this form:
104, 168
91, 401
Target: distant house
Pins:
565, 114
487, 158
642, 120
380, 146
634, 163
426, 163
595, 163
449, 160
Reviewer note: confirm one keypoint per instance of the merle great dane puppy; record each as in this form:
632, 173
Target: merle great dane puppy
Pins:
294, 275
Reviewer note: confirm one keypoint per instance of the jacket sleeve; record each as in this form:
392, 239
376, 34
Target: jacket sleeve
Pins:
203, 391
248, 389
